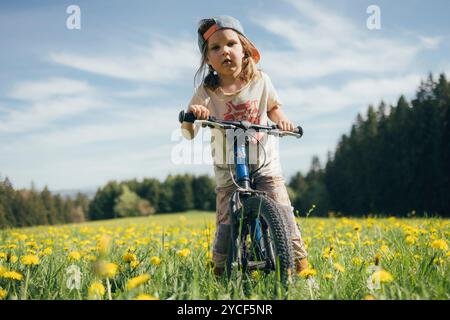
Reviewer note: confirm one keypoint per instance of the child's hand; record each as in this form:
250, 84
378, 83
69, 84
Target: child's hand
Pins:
200, 112
285, 125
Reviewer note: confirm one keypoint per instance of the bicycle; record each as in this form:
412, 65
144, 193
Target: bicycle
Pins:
259, 237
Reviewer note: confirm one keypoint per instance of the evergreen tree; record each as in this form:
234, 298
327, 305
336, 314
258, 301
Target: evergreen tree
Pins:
102, 206
165, 203
204, 197
50, 209
150, 190
182, 197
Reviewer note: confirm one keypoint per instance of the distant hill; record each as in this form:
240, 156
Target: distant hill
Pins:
72, 193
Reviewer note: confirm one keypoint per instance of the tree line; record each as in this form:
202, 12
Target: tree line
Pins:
23, 208
394, 161
133, 198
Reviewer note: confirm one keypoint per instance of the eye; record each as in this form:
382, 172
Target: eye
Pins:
215, 48
231, 43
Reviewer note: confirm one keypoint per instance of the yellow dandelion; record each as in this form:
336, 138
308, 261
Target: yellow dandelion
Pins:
255, 274
307, 273
3, 293
30, 260
2, 270
32, 244
106, 269
13, 259
134, 264
47, 251
74, 256
339, 267
96, 290
328, 253
13, 275
129, 257
137, 281
384, 248
440, 244
368, 243
3, 255
411, 240
22, 237
144, 296
382, 276
89, 257
369, 297
156, 261
328, 276
184, 252
104, 244
357, 261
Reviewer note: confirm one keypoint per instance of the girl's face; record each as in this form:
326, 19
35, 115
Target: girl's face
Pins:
225, 53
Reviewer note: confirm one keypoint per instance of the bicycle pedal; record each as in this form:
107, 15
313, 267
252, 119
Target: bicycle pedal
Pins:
257, 265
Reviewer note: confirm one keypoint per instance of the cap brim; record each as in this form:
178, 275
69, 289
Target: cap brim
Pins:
255, 53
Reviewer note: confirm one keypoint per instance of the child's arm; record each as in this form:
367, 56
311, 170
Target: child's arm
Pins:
278, 117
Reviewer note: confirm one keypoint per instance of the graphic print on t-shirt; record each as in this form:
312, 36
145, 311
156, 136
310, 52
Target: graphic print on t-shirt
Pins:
243, 111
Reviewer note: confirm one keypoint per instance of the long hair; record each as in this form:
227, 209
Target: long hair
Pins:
207, 76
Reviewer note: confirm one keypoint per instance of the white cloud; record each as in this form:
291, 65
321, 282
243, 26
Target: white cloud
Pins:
161, 62
39, 90
357, 94
45, 101
125, 127
431, 42
41, 113
141, 92
323, 44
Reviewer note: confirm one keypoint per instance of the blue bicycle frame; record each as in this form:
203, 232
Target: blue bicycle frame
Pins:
244, 180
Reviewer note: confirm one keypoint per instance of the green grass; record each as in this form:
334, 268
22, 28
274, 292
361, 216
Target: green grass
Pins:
359, 247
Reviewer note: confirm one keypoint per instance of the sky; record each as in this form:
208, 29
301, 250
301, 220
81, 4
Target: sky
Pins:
81, 107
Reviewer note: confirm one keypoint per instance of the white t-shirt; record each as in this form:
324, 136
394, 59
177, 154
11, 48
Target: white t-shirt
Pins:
252, 103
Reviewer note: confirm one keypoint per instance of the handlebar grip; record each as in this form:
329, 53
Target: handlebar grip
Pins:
190, 117
186, 117
299, 130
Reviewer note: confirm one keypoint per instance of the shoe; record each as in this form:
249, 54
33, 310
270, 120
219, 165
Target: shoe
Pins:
218, 271
300, 265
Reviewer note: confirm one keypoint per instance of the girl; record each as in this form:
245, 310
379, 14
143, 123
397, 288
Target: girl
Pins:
234, 89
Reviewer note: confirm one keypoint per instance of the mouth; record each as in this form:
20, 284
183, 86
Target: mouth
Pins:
226, 62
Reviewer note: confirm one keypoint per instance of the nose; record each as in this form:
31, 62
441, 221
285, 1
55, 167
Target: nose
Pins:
226, 50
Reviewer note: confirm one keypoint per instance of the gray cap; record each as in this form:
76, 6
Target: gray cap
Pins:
224, 22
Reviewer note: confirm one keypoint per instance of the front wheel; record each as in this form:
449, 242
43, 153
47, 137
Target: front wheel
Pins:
260, 239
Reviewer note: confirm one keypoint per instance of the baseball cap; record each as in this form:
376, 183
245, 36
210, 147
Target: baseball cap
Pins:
225, 22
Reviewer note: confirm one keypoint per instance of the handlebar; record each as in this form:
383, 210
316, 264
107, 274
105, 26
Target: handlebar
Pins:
245, 125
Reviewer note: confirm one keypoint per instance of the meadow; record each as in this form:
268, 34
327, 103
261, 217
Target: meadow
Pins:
169, 257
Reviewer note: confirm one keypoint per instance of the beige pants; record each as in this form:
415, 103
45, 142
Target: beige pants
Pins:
276, 189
